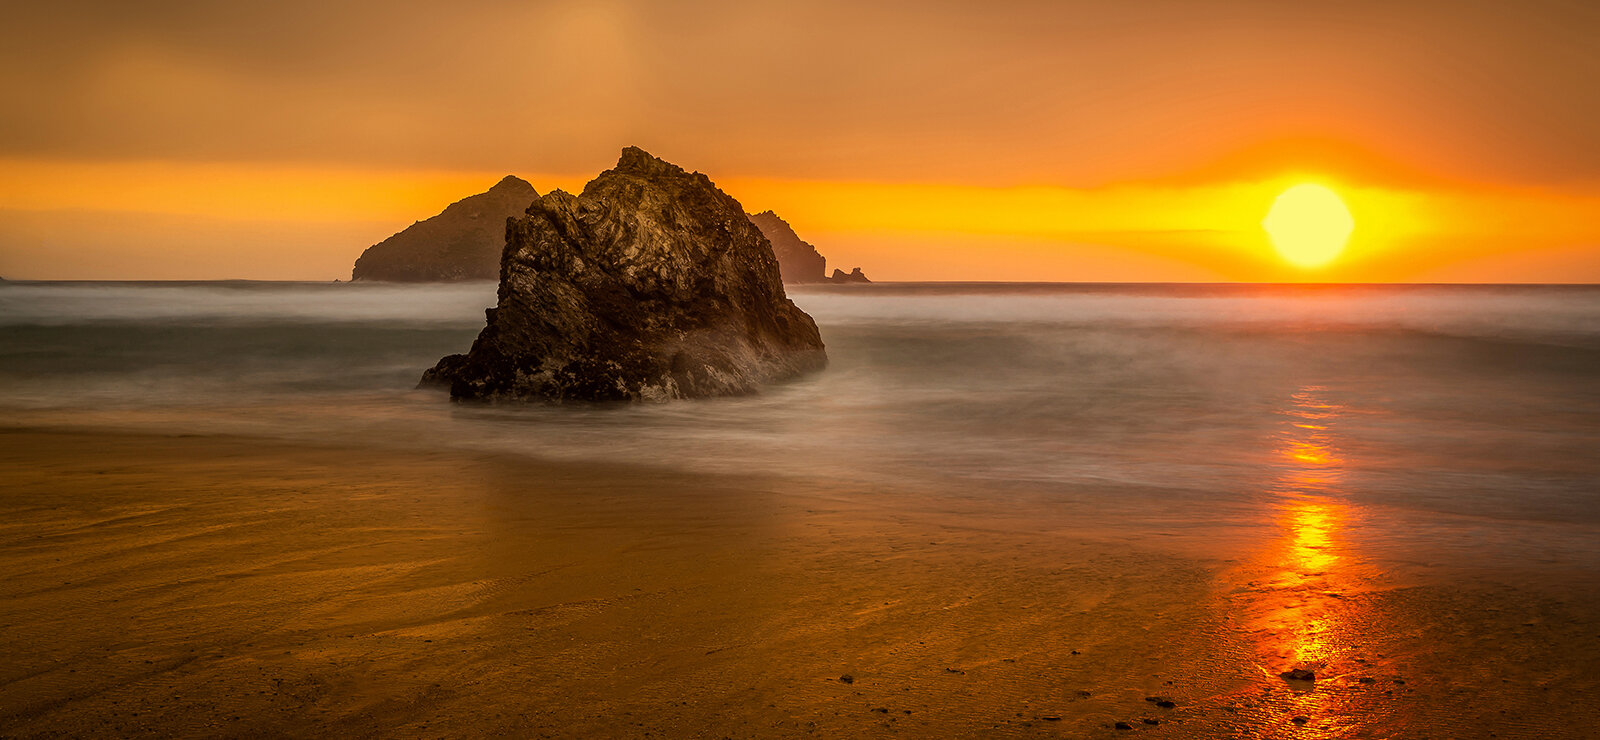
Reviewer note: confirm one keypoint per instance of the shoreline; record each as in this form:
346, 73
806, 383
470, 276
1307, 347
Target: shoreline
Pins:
186, 585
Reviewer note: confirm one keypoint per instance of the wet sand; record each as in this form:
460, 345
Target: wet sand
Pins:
226, 586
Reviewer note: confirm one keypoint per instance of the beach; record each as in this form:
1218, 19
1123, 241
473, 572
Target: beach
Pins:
1001, 510
223, 585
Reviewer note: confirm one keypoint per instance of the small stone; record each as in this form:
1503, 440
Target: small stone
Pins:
1152, 699
1151, 721
881, 710
1300, 720
1084, 694
1164, 704
1299, 674
1366, 679
1123, 726
847, 678
1051, 717
955, 670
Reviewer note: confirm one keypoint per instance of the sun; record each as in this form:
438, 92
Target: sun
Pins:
1309, 225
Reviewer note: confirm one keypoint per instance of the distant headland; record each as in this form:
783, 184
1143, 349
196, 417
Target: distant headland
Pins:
466, 240
462, 243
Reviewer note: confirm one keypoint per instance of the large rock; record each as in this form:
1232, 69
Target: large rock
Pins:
462, 243
652, 284
797, 259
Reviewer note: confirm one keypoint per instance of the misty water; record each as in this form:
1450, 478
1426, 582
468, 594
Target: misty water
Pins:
1455, 422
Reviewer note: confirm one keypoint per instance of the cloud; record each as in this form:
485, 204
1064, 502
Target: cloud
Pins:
1019, 92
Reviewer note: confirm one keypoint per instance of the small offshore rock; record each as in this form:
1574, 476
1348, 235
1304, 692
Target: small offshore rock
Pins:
1299, 674
853, 276
1164, 704
1366, 679
1123, 726
1300, 720
1051, 717
847, 678
955, 670
1151, 721
881, 710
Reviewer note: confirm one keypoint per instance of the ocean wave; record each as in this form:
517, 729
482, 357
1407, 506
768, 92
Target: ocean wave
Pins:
1545, 314
243, 302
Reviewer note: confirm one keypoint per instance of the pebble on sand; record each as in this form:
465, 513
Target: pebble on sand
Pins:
1123, 726
1299, 674
847, 678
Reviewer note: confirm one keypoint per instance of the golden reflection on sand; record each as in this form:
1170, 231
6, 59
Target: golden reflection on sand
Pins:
1296, 609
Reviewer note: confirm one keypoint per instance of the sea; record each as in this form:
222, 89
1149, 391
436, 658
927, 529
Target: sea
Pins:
1450, 423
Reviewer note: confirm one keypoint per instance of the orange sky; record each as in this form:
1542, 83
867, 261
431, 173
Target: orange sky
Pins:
929, 140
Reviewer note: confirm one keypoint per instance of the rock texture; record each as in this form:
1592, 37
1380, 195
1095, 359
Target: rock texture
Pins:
462, 243
854, 276
797, 259
652, 284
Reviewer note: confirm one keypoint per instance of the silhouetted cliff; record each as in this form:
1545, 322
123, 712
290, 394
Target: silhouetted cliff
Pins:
797, 259
462, 243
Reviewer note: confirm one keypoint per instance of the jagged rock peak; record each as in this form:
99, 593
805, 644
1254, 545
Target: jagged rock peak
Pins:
649, 285
512, 183
636, 161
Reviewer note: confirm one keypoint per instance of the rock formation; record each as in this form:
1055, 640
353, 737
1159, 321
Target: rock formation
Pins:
651, 284
854, 276
797, 259
462, 243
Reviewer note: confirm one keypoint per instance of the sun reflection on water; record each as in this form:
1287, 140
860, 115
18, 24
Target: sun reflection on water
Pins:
1297, 609
1311, 526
